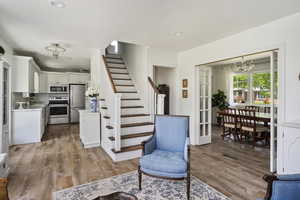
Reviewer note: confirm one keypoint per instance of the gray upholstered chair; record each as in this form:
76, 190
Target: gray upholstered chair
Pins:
167, 154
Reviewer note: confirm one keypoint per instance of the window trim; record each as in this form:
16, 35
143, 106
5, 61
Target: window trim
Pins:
250, 88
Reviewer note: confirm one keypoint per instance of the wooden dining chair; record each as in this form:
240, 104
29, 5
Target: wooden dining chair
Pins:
230, 123
249, 126
267, 109
256, 108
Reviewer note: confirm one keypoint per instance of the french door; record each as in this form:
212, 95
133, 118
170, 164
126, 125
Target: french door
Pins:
204, 105
4, 107
274, 110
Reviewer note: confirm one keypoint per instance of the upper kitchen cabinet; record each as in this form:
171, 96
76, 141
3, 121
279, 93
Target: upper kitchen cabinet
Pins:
44, 88
80, 78
56, 78
25, 75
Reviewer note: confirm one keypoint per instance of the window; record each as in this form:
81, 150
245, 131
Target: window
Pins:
261, 85
241, 88
258, 83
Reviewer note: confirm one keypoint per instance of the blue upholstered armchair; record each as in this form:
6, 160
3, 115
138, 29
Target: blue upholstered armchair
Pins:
167, 153
283, 187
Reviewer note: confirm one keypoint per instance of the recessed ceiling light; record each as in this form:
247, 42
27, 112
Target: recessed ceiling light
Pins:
178, 34
58, 3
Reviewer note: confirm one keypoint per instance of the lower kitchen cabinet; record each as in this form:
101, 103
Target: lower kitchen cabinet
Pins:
89, 128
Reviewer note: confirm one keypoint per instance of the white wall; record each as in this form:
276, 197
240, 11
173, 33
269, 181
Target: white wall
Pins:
283, 34
140, 61
135, 57
166, 75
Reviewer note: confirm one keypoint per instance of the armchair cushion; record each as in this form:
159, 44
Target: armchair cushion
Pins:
286, 190
165, 162
171, 133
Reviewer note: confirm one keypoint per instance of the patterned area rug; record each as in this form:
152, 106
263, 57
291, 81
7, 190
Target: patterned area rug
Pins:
153, 189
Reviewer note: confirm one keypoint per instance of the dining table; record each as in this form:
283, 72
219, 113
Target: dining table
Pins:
260, 116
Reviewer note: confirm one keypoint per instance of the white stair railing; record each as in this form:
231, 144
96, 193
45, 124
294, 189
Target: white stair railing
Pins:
117, 121
113, 104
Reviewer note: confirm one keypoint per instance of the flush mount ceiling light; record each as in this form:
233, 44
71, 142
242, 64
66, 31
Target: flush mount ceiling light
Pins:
243, 66
178, 34
55, 50
58, 3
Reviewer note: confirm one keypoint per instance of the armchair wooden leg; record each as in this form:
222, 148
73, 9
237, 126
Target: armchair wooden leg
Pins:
188, 187
140, 178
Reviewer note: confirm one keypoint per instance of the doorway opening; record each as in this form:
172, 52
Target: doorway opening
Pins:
164, 78
237, 100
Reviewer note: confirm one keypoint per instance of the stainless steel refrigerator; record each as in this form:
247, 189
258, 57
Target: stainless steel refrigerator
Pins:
77, 101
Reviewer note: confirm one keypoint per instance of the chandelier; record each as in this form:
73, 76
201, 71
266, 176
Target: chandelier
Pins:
243, 66
55, 50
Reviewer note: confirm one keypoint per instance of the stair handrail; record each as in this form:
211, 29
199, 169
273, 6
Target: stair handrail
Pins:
153, 85
109, 75
159, 99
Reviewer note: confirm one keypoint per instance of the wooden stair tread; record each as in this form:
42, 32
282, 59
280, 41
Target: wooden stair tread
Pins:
126, 91
129, 148
130, 99
111, 67
130, 136
124, 85
122, 79
124, 73
106, 117
101, 99
126, 107
135, 115
109, 127
136, 124
103, 107
112, 62
109, 57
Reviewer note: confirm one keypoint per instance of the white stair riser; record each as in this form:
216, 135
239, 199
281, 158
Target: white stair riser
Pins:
134, 141
129, 111
113, 55
136, 129
115, 65
132, 103
125, 88
129, 95
118, 70
120, 76
127, 155
127, 82
114, 60
129, 120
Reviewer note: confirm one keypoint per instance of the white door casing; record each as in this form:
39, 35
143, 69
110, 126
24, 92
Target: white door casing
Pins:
203, 104
274, 110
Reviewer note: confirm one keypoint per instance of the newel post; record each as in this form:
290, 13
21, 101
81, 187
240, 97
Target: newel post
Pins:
117, 121
161, 104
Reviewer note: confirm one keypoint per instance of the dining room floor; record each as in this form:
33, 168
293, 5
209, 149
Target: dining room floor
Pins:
37, 170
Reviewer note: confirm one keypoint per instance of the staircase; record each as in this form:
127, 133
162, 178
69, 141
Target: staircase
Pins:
124, 121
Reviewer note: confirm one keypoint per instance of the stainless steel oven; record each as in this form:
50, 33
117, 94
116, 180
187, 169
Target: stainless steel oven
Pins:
58, 88
59, 111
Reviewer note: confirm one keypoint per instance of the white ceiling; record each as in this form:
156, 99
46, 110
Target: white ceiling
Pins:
30, 25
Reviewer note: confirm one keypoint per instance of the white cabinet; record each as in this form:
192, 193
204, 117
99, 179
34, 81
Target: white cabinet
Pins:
81, 78
67, 78
25, 75
28, 125
89, 128
57, 78
289, 149
43, 82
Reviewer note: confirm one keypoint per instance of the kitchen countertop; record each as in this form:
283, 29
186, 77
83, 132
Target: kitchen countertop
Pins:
34, 107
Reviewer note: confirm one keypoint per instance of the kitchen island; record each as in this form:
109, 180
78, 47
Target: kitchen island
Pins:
29, 124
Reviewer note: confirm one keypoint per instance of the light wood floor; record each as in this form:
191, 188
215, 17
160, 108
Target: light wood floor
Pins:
60, 162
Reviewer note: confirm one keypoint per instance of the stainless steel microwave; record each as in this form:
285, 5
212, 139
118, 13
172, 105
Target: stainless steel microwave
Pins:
59, 88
